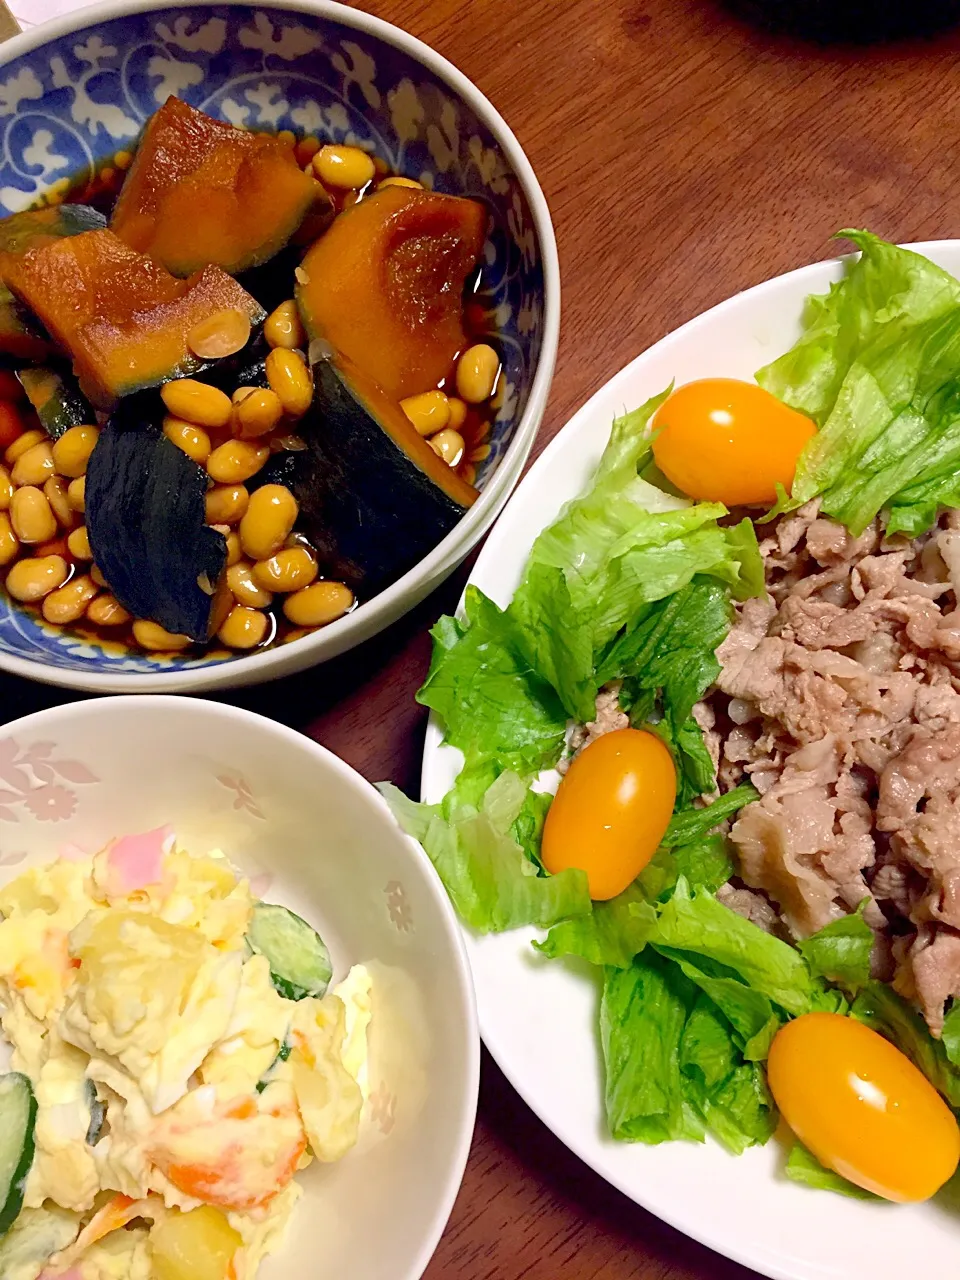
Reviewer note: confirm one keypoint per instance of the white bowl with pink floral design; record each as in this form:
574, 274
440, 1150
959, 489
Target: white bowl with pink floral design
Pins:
311, 834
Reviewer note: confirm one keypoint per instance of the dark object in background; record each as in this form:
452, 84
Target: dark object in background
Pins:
849, 21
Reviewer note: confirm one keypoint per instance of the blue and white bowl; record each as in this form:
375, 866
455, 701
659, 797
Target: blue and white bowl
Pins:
76, 91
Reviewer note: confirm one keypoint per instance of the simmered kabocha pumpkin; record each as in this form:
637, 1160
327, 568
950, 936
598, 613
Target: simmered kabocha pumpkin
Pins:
129, 323
201, 192
236, 496
384, 286
20, 336
360, 447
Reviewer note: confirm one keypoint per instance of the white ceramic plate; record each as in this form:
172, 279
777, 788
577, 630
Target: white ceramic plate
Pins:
538, 1018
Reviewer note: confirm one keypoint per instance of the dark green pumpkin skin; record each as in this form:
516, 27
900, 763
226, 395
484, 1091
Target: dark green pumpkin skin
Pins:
145, 514
369, 510
23, 231
56, 396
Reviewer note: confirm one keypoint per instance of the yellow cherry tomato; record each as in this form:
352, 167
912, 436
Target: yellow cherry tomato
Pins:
611, 810
722, 440
862, 1107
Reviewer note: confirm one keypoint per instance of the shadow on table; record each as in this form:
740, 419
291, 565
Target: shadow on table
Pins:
381, 675
847, 22
583, 1195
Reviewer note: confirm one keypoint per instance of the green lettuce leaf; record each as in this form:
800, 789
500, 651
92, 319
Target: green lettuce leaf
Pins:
704, 864
610, 934
840, 951
877, 368
492, 879
881, 1008
621, 545
490, 700
729, 1093
936, 485
750, 1013
669, 644
666, 659
701, 925
886, 289
643, 1013
673, 1069
950, 1037
804, 1167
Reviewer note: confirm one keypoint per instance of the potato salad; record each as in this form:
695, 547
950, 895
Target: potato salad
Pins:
175, 1058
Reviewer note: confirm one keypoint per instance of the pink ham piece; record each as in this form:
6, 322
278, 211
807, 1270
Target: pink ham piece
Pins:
72, 1274
136, 862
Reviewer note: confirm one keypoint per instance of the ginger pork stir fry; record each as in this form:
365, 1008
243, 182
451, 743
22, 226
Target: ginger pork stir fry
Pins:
838, 699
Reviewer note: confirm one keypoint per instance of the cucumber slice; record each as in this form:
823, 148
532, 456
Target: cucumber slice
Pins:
18, 1118
282, 1056
299, 961
35, 1237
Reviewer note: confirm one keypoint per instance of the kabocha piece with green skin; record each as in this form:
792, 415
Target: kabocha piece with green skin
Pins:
384, 286
299, 961
203, 192
20, 335
129, 322
56, 396
18, 1117
374, 497
147, 525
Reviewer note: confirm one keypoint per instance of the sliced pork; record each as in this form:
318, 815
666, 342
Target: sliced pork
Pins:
839, 697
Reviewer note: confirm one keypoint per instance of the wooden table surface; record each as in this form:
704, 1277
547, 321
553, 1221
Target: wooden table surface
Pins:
684, 156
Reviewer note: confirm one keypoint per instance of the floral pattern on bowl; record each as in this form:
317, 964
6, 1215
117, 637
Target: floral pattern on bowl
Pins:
70, 105
36, 779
